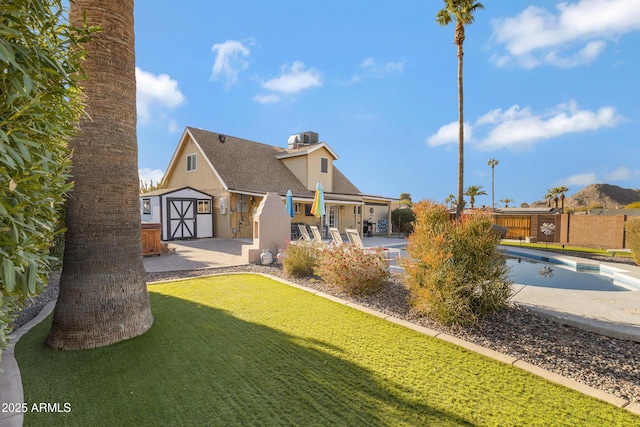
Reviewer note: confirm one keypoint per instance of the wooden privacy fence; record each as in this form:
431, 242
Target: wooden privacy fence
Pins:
518, 226
580, 230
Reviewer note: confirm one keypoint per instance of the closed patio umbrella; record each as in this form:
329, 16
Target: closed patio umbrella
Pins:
289, 204
317, 208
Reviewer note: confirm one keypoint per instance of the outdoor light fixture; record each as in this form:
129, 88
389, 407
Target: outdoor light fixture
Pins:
222, 138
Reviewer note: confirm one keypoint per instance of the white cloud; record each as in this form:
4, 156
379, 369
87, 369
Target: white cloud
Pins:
517, 127
621, 174
581, 179
575, 34
173, 126
266, 99
448, 134
372, 69
230, 60
153, 91
294, 79
147, 175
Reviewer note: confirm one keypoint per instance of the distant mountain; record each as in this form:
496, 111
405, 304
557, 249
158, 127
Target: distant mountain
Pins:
606, 195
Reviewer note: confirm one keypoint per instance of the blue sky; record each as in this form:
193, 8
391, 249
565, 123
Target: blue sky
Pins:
551, 89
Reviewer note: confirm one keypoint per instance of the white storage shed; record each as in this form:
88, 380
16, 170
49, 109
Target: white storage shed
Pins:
184, 213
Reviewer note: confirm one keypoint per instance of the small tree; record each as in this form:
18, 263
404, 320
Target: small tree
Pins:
40, 104
474, 191
632, 229
146, 187
454, 272
506, 202
403, 218
405, 198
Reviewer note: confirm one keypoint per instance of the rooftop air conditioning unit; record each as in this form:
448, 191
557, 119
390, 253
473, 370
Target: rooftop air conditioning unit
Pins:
293, 142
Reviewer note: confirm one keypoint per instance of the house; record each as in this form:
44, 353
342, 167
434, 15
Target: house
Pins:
237, 174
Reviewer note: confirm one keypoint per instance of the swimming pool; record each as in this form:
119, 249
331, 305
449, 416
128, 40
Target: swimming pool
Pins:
547, 274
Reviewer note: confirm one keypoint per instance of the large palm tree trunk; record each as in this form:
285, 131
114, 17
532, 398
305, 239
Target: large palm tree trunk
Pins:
459, 40
103, 296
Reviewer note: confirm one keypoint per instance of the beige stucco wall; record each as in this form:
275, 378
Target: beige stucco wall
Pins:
298, 165
313, 170
307, 169
379, 212
179, 177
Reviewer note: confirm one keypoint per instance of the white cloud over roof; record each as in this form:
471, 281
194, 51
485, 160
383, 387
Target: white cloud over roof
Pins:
154, 91
572, 35
230, 60
518, 127
294, 79
149, 175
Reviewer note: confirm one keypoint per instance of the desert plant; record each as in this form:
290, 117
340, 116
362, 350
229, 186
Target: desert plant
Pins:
454, 272
632, 230
299, 260
354, 270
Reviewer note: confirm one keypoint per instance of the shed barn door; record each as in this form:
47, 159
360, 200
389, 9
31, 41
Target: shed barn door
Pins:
181, 219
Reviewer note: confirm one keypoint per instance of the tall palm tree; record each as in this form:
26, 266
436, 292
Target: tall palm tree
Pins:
493, 163
450, 200
103, 296
562, 189
549, 197
506, 202
474, 191
462, 11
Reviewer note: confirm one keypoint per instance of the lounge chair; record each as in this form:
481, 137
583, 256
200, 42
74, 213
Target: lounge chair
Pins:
336, 238
355, 239
317, 237
304, 234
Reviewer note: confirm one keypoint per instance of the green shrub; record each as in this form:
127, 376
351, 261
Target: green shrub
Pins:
354, 270
299, 260
403, 218
632, 230
40, 104
454, 272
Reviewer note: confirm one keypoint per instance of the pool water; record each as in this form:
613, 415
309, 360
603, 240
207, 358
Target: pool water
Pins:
539, 273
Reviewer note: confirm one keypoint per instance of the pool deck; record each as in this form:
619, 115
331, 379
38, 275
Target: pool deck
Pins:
615, 314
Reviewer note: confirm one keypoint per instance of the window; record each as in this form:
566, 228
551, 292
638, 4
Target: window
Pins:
204, 206
297, 208
324, 165
191, 162
146, 206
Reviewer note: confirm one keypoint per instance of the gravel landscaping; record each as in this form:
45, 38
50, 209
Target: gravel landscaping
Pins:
608, 364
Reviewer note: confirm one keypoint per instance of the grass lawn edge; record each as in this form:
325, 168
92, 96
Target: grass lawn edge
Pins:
492, 354
547, 375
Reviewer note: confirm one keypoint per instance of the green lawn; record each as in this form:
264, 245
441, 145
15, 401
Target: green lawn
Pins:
242, 350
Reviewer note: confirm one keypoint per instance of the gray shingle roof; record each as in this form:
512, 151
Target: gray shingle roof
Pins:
252, 166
